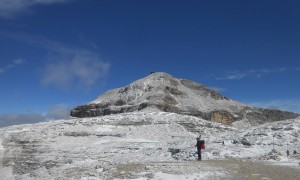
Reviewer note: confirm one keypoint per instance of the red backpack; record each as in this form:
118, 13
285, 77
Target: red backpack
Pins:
203, 146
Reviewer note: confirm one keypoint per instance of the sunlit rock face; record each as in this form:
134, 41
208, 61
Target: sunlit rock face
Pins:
161, 92
222, 117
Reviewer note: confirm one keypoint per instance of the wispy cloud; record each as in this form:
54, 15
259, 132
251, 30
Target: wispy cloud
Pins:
11, 8
74, 69
66, 67
233, 75
237, 75
55, 112
12, 65
292, 105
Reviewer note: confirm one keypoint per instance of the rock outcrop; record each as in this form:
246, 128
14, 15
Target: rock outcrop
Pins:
222, 117
163, 92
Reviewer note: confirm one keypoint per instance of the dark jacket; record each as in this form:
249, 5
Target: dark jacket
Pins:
199, 144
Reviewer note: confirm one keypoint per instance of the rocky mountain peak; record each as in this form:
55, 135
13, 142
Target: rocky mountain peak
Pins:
157, 86
160, 91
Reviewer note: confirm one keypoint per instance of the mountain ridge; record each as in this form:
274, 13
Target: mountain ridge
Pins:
163, 92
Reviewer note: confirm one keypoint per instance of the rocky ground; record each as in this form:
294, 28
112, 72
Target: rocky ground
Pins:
147, 145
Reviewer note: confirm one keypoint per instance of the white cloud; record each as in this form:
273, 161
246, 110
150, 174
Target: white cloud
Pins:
11, 8
14, 64
258, 73
74, 69
292, 105
66, 67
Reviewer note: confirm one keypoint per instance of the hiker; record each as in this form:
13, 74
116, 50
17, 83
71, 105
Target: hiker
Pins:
223, 143
295, 152
200, 145
287, 152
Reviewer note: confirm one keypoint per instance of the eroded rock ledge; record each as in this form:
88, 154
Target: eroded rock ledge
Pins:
254, 115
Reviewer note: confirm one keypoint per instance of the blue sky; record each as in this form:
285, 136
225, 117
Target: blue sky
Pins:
58, 54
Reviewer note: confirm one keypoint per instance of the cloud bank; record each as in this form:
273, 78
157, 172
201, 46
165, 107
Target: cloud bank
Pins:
54, 113
12, 8
15, 119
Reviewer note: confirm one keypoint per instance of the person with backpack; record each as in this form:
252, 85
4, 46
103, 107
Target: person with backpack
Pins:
200, 145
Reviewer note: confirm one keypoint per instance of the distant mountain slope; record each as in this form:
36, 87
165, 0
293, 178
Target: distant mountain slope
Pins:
163, 92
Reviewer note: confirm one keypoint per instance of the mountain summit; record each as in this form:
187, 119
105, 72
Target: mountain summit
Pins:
162, 92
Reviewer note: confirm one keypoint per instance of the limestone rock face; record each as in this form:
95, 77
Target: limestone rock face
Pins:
164, 93
222, 117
